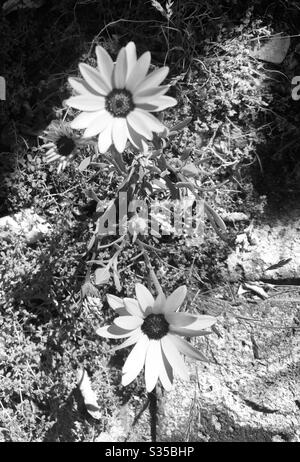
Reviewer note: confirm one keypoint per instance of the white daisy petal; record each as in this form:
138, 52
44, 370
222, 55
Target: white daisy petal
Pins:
133, 307
184, 332
138, 124
175, 300
174, 357
180, 319
47, 145
104, 139
105, 65
113, 331
138, 72
145, 146
135, 139
153, 79
152, 122
128, 322
202, 322
143, 296
116, 303
137, 354
135, 361
152, 364
122, 312
166, 373
197, 327
187, 349
159, 303
52, 157
98, 124
129, 341
94, 79
83, 120
146, 96
86, 102
119, 74
119, 133
51, 151
81, 87
49, 158
147, 107
131, 57
162, 102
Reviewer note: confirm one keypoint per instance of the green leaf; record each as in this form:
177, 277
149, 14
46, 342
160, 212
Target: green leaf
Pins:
214, 217
190, 170
102, 276
280, 264
116, 273
117, 280
91, 194
147, 187
273, 51
92, 242
181, 125
186, 154
158, 184
256, 289
84, 164
172, 188
88, 394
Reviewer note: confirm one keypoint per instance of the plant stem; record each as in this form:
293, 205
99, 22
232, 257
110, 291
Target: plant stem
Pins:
151, 271
153, 413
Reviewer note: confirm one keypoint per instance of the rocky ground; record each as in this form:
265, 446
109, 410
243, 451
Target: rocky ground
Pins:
273, 239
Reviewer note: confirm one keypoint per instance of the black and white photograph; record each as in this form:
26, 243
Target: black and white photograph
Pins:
150, 224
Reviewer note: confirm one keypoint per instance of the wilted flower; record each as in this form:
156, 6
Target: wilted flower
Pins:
117, 99
61, 144
154, 327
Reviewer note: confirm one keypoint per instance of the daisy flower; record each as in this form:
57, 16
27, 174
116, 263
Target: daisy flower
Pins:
117, 99
154, 328
61, 144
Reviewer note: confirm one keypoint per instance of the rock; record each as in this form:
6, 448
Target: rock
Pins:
263, 246
117, 431
25, 223
232, 217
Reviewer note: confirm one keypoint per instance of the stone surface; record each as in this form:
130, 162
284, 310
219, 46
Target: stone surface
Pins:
264, 245
26, 224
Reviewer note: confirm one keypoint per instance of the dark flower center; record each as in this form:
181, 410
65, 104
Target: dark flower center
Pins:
155, 326
65, 145
119, 103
